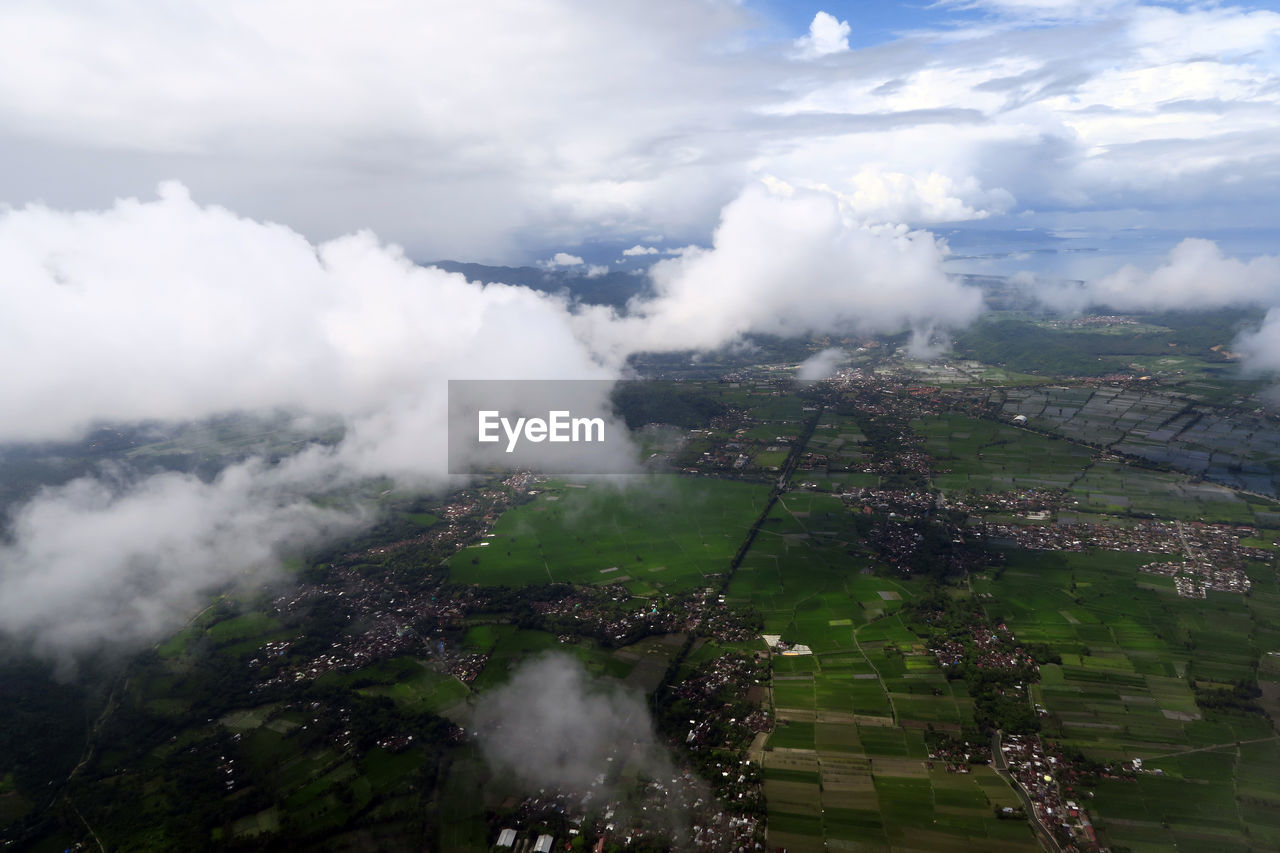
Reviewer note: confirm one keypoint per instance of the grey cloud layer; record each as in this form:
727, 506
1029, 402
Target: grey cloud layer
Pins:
548, 727
485, 131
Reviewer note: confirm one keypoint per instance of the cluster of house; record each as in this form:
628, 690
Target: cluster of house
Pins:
994, 649
1034, 773
1194, 578
672, 813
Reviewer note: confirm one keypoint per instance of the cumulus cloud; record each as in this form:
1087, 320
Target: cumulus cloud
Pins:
638, 250
1261, 347
820, 365
1195, 275
827, 35
295, 111
563, 259
551, 727
628, 118
623, 121
790, 265
881, 195
168, 310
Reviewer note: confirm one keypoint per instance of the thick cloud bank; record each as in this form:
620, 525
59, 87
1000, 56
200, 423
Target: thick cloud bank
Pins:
168, 310
165, 309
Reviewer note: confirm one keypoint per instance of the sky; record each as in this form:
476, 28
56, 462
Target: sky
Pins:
507, 132
217, 206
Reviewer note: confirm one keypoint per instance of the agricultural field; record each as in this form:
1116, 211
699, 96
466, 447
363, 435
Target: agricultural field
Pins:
1236, 449
848, 761
669, 533
1114, 488
1131, 651
840, 440
985, 456
801, 576
305, 713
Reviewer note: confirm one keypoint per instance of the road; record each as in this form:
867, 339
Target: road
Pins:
1046, 839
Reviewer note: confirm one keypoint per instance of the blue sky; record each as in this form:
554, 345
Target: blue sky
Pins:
870, 23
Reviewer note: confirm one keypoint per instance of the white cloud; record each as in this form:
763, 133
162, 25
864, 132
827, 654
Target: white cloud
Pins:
94, 563
446, 127
168, 310
888, 196
165, 309
625, 119
621, 121
1195, 275
563, 259
1261, 347
820, 365
790, 265
637, 250
827, 35
1049, 10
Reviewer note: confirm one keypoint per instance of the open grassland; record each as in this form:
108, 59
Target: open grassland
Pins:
661, 532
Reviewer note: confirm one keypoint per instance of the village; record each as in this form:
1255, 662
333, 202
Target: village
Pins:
1035, 773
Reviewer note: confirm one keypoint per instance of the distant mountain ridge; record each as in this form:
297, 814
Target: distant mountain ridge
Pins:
612, 288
